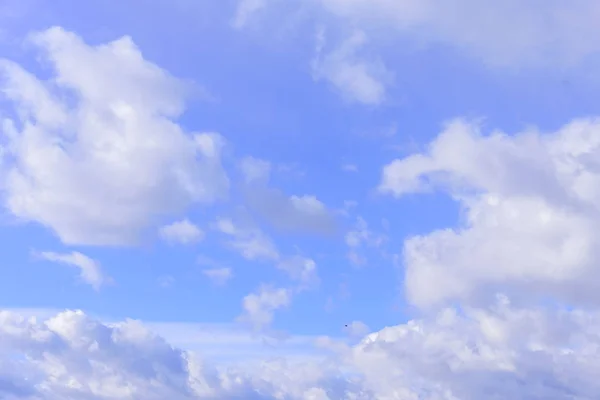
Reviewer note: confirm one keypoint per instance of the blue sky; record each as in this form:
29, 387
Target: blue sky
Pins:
317, 169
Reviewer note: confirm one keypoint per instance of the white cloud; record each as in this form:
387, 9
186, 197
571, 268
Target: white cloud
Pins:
531, 215
90, 270
260, 306
95, 154
251, 243
183, 232
357, 78
511, 352
219, 276
254, 245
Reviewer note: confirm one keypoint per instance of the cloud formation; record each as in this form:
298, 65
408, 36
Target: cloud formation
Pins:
549, 34
511, 352
95, 153
260, 306
357, 78
294, 213
531, 214
183, 232
90, 270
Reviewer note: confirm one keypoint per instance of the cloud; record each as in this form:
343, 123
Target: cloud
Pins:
300, 268
260, 306
245, 10
358, 238
530, 215
218, 276
255, 170
305, 213
90, 270
356, 78
254, 245
95, 153
250, 243
357, 329
548, 34
183, 232
511, 352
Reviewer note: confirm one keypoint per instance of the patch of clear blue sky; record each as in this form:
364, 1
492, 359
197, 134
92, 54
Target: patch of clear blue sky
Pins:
267, 105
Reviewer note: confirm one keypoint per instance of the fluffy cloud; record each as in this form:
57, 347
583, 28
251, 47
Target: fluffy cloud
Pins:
531, 213
512, 353
507, 351
183, 232
260, 306
90, 270
356, 78
95, 153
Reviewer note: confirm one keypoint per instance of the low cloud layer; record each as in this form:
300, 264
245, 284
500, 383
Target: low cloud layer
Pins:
507, 351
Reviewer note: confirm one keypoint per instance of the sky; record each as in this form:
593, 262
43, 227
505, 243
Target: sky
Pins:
299, 199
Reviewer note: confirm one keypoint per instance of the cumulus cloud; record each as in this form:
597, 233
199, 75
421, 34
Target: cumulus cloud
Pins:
259, 307
508, 351
357, 78
183, 232
218, 276
530, 205
304, 213
94, 153
90, 270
